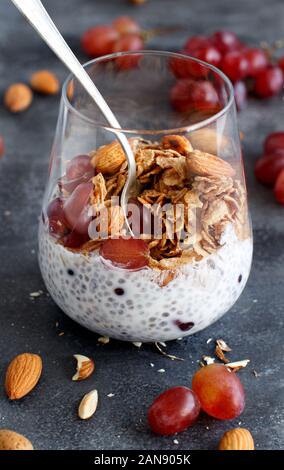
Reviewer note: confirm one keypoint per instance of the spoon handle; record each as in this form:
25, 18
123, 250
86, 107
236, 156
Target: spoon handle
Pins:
37, 15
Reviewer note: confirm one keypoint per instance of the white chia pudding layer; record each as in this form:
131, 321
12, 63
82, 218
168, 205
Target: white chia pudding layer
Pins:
132, 306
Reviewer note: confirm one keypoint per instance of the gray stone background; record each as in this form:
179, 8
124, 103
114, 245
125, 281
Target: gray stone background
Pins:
254, 326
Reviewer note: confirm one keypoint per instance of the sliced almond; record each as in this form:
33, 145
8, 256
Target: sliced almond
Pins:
220, 354
108, 158
88, 405
235, 366
22, 375
104, 340
204, 164
223, 345
85, 367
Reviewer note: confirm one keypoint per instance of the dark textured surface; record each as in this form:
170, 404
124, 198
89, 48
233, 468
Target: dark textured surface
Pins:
254, 327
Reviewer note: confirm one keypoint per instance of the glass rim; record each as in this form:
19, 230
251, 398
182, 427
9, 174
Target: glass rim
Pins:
176, 130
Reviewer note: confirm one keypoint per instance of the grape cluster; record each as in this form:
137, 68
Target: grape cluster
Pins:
250, 69
269, 169
123, 34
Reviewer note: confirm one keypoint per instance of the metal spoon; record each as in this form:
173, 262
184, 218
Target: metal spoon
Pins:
37, 15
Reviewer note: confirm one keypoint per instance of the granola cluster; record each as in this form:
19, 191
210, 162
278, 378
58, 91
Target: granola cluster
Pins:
199, 188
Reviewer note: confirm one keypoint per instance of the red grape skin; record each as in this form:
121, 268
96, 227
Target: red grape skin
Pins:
56, 218
269, 82
240, 92
274, 142
131, 254
173, 411
76, 208
196, 42
78, 167
79, 170
268, 167
279, 188
281, 63
99, 40
220, 391
187, 94
209, 54
131, 42
257, 60
235, 65
126, 25
75, 240
226, 41
2, 146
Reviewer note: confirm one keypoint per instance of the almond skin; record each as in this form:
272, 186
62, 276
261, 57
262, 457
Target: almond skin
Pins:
10, 440
177, 142
237, 439
44, 82
85, 367
205, 164
22, 375
18, 97
108, 158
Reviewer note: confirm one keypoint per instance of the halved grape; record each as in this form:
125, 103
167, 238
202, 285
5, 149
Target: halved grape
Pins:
123, 253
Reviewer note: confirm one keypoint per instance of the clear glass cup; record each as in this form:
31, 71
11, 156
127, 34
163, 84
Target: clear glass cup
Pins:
189, 254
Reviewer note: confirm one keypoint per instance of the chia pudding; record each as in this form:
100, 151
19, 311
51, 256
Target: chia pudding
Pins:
153, 288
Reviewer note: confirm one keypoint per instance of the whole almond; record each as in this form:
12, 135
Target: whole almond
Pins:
18, 97
204, 164
108, 158
208, 140
85, 367
177, 142
237, 439
88, 405
22, 375
10, 440
44, 82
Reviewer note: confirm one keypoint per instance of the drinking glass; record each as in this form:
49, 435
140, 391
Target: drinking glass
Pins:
179, 257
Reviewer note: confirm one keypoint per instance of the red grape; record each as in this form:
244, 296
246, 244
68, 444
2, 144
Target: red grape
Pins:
209, 54
78, 167
173, 411
257, 60
76, 208
279, 188
281, 63
268, 167
226, 41
2, 147
196, 42
131, 42
126, 25
235, 65
220, 391
274, 142
187, 94
56, 218
240, 92
269, 82
78, 170
99, 40
75, 240
123, 253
